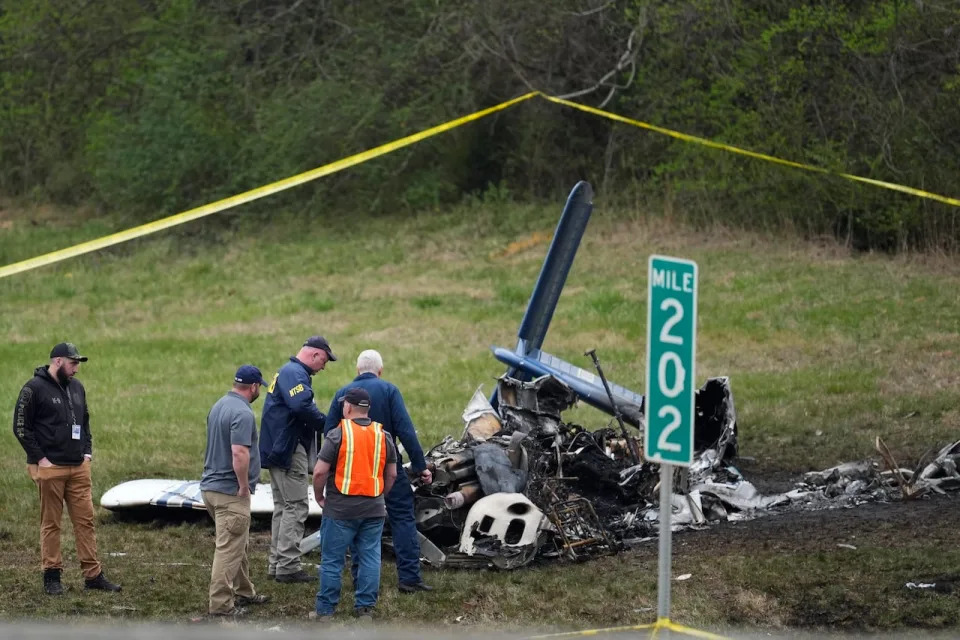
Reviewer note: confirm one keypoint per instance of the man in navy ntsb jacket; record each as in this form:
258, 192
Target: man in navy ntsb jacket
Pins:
387, 408
288, 428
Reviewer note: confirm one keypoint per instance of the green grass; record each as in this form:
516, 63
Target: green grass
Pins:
825, 351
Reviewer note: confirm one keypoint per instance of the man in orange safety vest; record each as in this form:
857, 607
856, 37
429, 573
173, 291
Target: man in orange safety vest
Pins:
364, 465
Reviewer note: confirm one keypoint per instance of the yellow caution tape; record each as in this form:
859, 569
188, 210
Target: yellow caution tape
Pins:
339, 165
664, 623
248, 196
753, 154
661, 623
593, 632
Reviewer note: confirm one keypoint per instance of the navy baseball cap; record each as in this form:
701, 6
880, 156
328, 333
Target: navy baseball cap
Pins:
319, 342
248, 374
357, 397
67, 350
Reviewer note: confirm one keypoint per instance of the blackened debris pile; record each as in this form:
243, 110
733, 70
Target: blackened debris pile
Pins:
522, 484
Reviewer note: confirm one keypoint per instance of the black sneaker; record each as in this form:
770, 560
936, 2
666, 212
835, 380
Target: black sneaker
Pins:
246, 601
51, 582
299, 576
101, 583
413, 588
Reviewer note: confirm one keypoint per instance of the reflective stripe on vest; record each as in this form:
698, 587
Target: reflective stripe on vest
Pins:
361, 459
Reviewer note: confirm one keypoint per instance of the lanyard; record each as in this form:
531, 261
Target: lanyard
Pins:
73, 415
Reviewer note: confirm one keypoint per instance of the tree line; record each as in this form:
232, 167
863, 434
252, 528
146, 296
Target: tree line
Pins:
153, 106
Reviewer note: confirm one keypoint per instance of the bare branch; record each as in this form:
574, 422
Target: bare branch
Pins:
288, 10
589, 12
513, 65
628, 59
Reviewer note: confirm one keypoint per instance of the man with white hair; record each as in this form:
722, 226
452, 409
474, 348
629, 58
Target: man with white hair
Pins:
387, 408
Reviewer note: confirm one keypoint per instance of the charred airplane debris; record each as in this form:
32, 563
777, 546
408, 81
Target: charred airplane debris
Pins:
521, 483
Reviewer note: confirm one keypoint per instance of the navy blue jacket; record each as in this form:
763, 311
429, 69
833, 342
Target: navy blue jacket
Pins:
387, 408
289, 415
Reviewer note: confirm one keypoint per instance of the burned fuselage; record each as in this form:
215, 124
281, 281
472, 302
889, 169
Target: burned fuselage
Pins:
521, 483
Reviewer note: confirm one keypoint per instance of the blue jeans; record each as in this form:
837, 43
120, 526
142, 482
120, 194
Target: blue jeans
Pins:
403, 528
363, 536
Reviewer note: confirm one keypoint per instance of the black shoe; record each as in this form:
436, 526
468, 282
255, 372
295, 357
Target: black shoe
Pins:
51, 582
101, 583
244, 601
413, 588
364, 614
227, 616
299, 576
320, 618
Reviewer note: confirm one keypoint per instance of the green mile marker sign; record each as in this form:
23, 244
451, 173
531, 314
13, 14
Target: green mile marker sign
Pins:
671, 360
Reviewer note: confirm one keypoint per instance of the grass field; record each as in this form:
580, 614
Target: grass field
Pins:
825, 351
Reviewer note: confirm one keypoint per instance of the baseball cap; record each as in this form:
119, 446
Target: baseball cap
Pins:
357, 397
248, 374
319, 342
67, 350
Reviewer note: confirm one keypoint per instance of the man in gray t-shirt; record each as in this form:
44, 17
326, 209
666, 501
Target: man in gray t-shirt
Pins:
231, 469
356, 466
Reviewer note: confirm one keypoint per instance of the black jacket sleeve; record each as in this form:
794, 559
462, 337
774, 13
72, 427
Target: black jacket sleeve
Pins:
87, 437
23, 415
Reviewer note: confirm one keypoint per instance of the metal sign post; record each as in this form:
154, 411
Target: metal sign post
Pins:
666, 543
671, 363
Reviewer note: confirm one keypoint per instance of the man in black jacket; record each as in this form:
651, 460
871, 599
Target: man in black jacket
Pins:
52, 423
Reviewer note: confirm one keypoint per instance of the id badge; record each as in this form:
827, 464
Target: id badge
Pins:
76, 432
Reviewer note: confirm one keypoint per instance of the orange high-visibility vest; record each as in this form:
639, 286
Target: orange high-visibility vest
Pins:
361, 459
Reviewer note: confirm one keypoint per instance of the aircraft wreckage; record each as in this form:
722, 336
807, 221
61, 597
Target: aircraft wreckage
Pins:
521, 484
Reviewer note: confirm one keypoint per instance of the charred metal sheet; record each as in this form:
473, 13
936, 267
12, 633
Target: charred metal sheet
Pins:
716, 419
430, 552
534, 405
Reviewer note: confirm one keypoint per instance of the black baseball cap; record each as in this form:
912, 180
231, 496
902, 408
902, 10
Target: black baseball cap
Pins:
248, 374
357, 397
67, 350
319, 342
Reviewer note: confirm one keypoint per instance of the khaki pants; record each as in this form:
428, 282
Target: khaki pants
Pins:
290, 510
59, 484
230, 575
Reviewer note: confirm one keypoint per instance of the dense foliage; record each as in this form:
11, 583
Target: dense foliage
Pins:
152, 106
